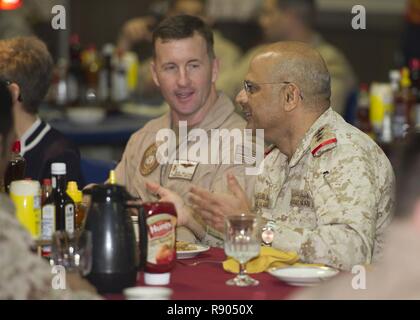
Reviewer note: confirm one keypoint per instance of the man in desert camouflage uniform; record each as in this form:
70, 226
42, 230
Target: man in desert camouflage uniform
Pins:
24, 275
185, 70
326, 189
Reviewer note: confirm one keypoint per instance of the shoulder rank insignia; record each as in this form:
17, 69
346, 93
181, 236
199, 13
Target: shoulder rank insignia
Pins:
323, 140
149, 162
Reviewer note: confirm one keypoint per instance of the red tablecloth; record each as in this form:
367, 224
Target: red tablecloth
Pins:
206, 281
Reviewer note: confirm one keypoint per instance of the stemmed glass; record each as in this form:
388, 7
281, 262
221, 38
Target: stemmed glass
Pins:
73, 251
242, 243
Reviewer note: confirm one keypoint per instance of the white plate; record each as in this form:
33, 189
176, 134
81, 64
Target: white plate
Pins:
147, 293
192, 253
86, 115
303, 276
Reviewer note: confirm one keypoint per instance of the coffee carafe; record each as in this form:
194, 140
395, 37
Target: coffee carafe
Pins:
115, 258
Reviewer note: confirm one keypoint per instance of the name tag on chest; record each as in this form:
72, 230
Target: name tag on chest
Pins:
182, 169
301, 199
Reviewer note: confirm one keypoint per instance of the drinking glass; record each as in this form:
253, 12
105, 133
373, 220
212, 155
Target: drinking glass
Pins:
73, 251
242, 242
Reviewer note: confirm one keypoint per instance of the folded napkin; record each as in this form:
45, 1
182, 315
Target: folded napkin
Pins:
268, 258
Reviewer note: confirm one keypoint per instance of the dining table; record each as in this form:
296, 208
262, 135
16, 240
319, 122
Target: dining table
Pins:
203, 278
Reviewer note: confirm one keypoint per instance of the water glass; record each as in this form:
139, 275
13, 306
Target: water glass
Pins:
73, 251
242, 243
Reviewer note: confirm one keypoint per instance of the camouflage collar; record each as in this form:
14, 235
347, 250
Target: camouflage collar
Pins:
216, 116
305, 144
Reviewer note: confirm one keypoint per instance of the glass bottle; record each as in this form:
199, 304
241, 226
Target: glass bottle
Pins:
58, 212
46, 190
16, 167
403, 119
77, 196
415, 89
363, 105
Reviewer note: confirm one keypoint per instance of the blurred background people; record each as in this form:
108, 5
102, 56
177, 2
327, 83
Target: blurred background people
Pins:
294, 20
397, 275
372, 53
411, 36
26, 65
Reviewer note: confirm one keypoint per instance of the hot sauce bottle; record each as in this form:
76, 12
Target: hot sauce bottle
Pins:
161, 220
16, 167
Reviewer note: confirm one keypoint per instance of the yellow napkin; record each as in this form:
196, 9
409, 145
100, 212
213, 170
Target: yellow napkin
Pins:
268, 258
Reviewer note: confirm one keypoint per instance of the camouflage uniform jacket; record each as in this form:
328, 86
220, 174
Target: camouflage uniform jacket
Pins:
332, 201
131, 171
24, 275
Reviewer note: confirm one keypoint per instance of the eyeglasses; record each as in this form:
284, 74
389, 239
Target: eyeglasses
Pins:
251, 87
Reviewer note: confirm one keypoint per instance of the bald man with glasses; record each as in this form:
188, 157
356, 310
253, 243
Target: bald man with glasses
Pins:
326, 189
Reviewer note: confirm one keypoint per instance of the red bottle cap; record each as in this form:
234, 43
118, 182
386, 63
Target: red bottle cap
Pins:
46, 182
16, 147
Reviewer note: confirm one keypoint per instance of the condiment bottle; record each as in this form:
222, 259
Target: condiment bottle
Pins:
161, 220
46, 190
58, 210
16, 168
26, 198
77, 196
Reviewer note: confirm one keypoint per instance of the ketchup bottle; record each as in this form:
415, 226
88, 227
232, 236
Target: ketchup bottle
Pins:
161, 220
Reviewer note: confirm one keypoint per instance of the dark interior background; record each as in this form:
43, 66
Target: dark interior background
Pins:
372, 52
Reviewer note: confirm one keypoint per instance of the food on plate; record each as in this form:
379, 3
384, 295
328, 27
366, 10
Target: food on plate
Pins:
185, 246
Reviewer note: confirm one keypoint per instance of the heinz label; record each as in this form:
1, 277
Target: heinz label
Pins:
161, 239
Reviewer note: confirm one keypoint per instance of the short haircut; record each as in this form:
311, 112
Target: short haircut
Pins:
181, 27
5, 111
305, 9
27, 62
300, 63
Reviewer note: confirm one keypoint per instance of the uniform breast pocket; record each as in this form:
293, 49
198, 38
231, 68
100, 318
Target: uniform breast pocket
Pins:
301, 210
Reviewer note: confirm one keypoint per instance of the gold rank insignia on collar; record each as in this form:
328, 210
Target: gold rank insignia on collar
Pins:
149, 162
323, 140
